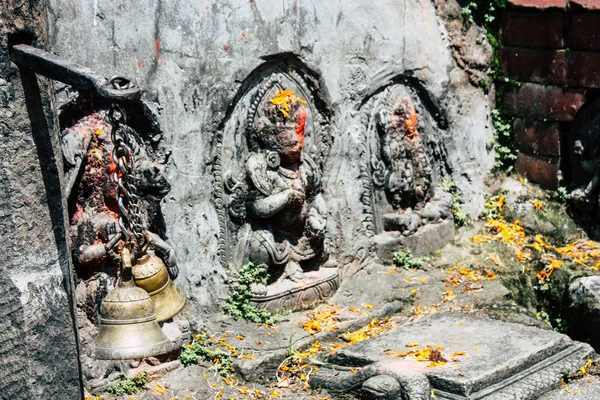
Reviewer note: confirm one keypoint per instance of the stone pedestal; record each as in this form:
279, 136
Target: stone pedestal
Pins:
427, 239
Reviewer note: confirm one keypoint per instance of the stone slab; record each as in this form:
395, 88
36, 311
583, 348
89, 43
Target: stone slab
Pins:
501, 358
427, 239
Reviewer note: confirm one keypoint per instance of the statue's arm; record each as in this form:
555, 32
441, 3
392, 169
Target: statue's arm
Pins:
270, 205
593, 185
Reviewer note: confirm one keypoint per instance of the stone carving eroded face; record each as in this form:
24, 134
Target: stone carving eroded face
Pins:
403, 152
403, 164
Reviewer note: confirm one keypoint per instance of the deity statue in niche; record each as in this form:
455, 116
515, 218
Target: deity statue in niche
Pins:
405, 163
286, 212
272, 183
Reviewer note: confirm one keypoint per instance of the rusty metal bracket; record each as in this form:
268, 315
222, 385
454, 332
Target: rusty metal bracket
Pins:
41, 62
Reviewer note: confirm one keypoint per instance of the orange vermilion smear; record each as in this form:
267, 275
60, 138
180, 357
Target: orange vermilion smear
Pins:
410, 123
300, 124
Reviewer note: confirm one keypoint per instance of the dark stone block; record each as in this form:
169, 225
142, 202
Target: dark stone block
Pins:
543, 102
535, 137
534, 65
538, 169
583, 69
584, 31
548, 32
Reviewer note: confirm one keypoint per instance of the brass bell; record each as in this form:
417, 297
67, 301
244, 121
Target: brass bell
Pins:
150, 273
128, 327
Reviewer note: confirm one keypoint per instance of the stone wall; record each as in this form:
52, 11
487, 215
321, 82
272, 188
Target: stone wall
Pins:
553, 49
194, 59
38, 336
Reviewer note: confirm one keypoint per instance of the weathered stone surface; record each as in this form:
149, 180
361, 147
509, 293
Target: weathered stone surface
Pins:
587, 388
538, 169
583, 69
381, 387
421, 243
584, 294
195, 61
541, 4
587, 4
501, 360
583, 31
536, 101
536, 137
38, 336
516, 29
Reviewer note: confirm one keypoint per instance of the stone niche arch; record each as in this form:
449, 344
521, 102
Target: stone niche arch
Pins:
250, 169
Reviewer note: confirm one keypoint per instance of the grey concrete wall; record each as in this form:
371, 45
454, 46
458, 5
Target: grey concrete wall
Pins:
191, 57
38, 335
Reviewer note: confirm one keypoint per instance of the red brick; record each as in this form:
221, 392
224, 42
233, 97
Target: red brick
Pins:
547, 32
584, 31
587, 4
583, 69
533, 65
538, 169
542, 4
538, 138
543, 102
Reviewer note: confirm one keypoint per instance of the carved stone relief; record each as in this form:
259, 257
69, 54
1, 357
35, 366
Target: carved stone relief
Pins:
402, 168
584, 143
93, 214
268, 173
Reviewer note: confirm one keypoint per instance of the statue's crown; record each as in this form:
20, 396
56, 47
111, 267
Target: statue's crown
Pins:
283, 99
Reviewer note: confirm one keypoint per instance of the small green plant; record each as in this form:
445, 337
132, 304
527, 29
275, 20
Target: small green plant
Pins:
448, 185
405, 259
238, 303
506, 154
468, 13
564, 193
201, 349
129, 385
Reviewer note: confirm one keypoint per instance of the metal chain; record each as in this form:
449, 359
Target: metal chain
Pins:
130, 221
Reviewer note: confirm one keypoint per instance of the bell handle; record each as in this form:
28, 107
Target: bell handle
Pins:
126, 267
147, 243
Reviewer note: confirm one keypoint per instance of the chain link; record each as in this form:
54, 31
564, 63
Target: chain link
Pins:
130, 220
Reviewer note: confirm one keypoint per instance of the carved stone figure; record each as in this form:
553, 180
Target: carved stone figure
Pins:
287, 215
403, 164
585, 147
276, 213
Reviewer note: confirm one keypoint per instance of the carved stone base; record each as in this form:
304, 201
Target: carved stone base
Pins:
425, 240
493, 360
316, 287
177, 330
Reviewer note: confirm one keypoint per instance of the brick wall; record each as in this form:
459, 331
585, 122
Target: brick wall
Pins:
553, 48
